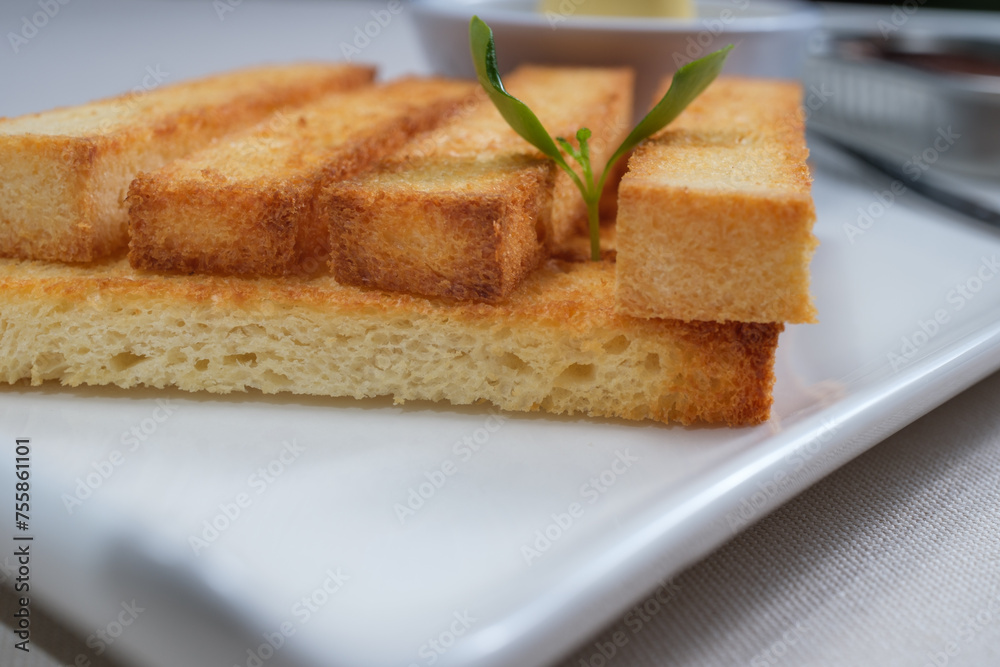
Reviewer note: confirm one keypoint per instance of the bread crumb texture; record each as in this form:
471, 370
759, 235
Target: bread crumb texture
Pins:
715, 214
556, 345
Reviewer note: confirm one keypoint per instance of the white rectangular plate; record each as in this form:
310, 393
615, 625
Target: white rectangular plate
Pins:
520, 533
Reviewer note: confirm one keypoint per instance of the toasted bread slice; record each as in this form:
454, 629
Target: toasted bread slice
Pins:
556, 344
715, 214
468, 210
246, 205
64, 173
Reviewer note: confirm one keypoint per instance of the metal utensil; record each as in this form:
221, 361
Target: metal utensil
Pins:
903, 96
923, 186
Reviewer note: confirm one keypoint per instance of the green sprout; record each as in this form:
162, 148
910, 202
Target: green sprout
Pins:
688, 83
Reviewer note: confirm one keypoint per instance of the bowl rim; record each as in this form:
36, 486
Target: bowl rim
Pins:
792, 15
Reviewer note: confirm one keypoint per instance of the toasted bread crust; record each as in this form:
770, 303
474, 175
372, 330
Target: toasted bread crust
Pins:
557, 344
64, 173
248, 206
493, 238
715, 214
469, 210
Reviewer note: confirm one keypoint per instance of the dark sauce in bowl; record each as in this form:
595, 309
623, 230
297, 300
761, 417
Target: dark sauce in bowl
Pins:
948, 63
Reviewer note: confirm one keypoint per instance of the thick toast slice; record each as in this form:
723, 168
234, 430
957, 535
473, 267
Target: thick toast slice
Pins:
715, 214
64, 173
467, 211
246, 205
557, 344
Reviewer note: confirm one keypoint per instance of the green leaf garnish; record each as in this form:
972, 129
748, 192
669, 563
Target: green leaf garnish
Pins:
514, 111
688, 83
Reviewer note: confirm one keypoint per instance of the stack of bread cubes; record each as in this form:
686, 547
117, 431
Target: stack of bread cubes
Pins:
300, 228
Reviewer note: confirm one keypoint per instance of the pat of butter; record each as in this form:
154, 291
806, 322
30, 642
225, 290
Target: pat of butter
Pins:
669, 8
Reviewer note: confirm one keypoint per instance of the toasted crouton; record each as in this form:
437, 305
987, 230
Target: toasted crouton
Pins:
467, 211
64, 173
246, 205
715, 214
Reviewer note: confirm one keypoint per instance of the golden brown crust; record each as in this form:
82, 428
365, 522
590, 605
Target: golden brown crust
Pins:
249, 206
394, 238
745, 349
715, 213
467, 211
557, 344
64, 173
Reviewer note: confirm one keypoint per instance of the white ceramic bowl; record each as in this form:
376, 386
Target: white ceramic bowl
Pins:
771, 37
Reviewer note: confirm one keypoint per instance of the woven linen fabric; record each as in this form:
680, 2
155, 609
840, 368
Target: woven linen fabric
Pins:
892, 561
